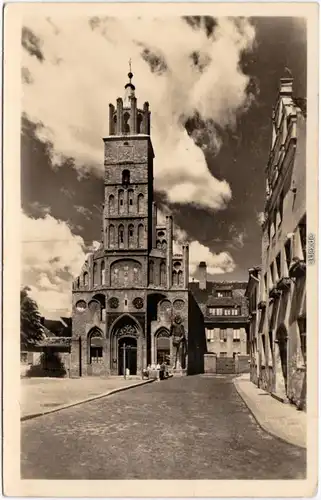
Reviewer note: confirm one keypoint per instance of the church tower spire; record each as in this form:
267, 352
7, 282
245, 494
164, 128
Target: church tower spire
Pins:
126, 118
129, 88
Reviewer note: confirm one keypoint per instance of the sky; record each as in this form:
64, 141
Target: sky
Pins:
211, 84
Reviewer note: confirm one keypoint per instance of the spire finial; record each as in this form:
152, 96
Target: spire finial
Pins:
130, 74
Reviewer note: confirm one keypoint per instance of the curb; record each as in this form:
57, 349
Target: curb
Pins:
86, 400
263, 425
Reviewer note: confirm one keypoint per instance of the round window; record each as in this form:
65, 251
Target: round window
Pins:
81, 305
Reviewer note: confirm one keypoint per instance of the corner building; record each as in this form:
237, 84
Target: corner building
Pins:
131, 305
279, 333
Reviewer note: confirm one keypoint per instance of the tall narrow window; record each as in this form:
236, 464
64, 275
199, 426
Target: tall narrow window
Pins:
140, 203
288, 252
236, 335
139, 123
278, 265
126, 123
111, 204
141, 236
121, 236
126, 177
223, 334
86, 279
162, 274
130, 201
174, 278
95, 273
131, 239
151, 272
272, 274
102, 272
121, 201
111, 238
180, 278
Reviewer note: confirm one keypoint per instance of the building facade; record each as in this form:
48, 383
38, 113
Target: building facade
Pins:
252, 293
131, 304
225, 311
280, 330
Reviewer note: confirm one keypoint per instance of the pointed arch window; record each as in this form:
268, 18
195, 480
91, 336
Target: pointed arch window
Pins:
174, 278
130, 201
86, 279
140, 236
95, 274
121, 201
139, 123
121, 236
111, 238
140, 203
111, 204
180, 278
131, 238
126, 123
102, 273
151, 272
126, 177
162, 274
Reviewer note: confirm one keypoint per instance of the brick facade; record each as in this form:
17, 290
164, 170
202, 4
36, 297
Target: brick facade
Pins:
132, 292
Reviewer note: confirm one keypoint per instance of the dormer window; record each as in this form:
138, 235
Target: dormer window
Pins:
223, 293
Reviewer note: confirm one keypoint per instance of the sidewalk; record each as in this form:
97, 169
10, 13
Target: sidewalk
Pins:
39, 396
281, 420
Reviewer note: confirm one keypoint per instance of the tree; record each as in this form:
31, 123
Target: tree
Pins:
31, 329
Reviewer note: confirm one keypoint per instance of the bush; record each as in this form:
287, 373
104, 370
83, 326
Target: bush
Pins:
50, 366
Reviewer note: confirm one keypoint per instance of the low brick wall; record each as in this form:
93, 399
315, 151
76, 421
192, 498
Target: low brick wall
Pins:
220, 365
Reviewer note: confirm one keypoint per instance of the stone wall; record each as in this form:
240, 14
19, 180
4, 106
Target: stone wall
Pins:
226, 365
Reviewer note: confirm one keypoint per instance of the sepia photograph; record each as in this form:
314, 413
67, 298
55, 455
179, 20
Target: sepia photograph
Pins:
165, 242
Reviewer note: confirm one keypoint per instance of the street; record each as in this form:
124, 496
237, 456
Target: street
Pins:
183, 428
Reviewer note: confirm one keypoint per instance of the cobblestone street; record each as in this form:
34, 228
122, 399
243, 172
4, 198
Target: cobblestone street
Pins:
182, 428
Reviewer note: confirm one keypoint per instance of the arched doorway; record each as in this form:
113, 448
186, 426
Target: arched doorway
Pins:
127, 355
126, 345
281, 339
95, 351
163, 346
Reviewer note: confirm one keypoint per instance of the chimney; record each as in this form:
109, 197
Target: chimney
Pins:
286, 86
202, 274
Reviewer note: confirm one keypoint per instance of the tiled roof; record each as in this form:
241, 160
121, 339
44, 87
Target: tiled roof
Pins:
217, 320
224, 301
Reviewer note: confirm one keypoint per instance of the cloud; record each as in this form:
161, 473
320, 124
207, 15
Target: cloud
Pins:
83, 211
38, 209
237, 237
219, 263
51, 258
72, 79
260, 217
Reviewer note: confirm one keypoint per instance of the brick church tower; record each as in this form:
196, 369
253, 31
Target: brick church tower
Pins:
130, 304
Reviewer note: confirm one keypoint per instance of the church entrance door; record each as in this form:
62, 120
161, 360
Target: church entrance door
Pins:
127, 355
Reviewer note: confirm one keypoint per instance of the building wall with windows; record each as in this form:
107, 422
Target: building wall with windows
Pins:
225, 312
130, 303
252, 293
282, 311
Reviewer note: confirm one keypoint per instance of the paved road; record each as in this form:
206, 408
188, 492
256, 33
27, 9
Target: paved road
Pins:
183, 428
